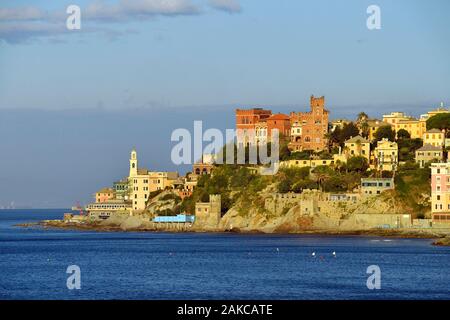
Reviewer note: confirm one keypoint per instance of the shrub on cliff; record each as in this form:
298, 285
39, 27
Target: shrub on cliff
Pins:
357, 164
411, 184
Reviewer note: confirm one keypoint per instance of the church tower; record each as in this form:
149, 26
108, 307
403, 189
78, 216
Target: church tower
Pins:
133, 163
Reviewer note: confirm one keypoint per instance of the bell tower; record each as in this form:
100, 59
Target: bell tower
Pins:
133, 163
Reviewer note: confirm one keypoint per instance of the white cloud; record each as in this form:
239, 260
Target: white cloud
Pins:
19, 32
21, 13
20, 24
126, 10
230, 6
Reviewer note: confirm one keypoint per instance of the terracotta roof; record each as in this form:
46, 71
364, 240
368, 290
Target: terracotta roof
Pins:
278, 116
105, 190
358, 138
429, 147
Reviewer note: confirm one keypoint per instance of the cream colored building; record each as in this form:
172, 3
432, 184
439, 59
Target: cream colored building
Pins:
386, 155
434, 137
139, 184
375, 186
103, 211
161, 180
312, 163
142, 182
428, 153
296, 131
396, 117
357, 147
261, 132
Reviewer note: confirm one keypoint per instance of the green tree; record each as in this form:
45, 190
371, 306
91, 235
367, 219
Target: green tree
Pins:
334, 184
440, 121
365, 129
384, 132
348, 130
362, 117
357, 164
403, 134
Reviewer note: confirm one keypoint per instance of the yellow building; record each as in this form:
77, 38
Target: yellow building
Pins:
434, 137
357, 147
161, 180
139, 184
399, 120
416, 128
396, 117
312, 163
373, 125
386, 155
142, 182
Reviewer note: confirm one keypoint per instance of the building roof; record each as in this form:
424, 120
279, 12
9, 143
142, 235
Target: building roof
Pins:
377, 123
278, 116
429, 147
433, 131
172, 175
105, 190
377, 179
358, 138
142, 171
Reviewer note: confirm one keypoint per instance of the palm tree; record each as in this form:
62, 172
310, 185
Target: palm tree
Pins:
365, 129
362, 117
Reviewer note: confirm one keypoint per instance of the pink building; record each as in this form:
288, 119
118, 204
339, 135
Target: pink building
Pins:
104, 195
440, 192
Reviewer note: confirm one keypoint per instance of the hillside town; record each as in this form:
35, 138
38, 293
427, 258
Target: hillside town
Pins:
366, 173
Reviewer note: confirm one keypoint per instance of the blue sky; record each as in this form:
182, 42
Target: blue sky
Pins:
141, 60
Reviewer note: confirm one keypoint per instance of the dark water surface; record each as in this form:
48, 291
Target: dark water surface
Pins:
33, 265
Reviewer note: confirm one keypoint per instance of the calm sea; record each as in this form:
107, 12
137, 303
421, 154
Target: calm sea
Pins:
33, 265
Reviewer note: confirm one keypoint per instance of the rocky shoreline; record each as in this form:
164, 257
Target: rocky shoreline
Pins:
440, 239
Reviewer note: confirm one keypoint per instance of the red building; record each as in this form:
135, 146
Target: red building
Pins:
281, 122
246, 121
314, 127
308, 128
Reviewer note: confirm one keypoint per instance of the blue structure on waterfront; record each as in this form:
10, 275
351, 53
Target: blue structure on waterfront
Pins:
180, 218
